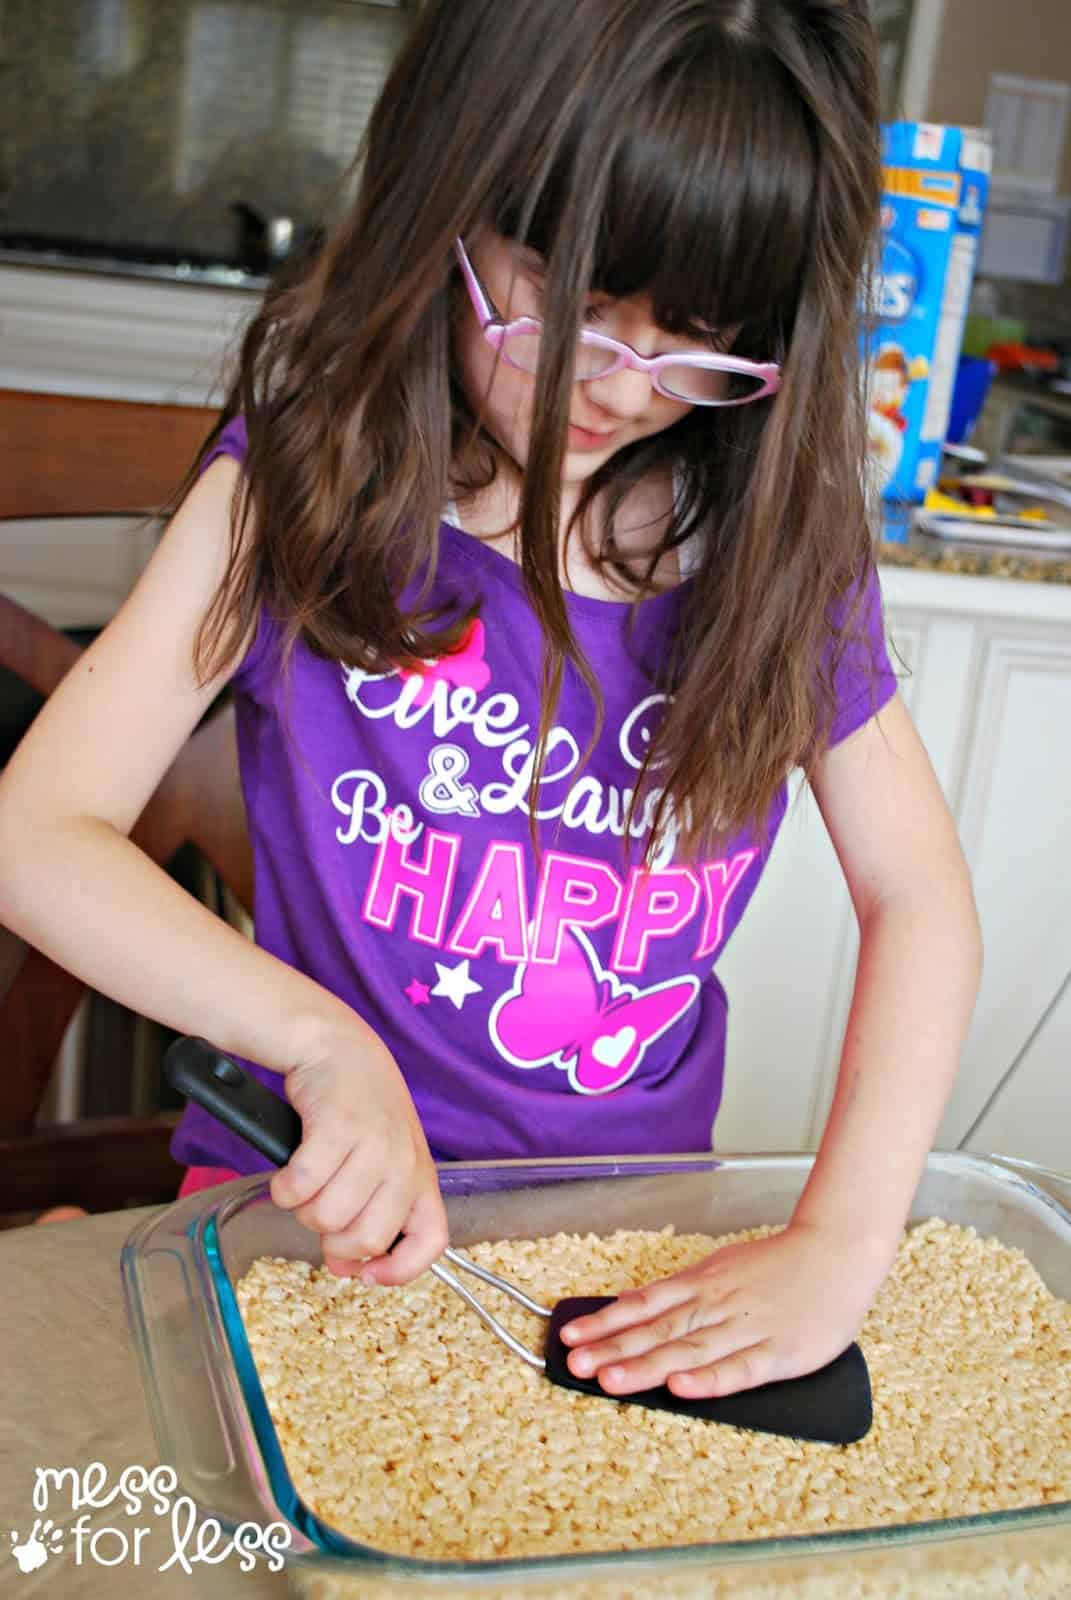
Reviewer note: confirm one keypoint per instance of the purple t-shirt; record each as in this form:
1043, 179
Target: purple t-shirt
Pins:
573, 1011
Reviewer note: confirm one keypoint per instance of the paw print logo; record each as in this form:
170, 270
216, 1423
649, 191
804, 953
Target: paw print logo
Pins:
45, 1540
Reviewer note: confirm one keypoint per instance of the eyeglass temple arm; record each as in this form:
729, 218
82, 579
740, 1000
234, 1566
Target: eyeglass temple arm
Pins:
475, 287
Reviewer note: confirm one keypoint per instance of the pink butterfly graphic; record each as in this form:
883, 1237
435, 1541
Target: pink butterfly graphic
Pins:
465, 665
583, 1020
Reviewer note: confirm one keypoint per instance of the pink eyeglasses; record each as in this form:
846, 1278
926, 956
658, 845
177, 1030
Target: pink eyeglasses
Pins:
701, 377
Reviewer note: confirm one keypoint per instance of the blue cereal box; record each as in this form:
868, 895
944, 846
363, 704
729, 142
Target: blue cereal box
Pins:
936, 182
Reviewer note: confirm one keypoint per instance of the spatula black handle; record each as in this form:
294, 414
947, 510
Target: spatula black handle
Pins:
241, 1102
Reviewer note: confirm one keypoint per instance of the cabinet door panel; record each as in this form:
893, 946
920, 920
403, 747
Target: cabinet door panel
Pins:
1015, 820
1030, 1116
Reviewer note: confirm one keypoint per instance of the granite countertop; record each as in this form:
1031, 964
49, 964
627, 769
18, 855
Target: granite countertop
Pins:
925, 553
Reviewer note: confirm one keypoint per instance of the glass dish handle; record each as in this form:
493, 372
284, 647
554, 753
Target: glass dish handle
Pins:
200, 1422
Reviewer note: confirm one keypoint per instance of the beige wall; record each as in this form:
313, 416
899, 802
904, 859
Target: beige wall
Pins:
1029, 37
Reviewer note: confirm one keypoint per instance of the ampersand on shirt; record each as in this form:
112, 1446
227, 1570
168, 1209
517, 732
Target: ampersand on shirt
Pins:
442, 790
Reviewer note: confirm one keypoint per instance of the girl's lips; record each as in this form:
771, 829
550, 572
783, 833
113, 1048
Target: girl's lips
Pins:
588, 439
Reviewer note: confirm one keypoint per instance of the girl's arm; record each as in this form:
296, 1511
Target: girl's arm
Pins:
73, 884
920, 962
783, 1306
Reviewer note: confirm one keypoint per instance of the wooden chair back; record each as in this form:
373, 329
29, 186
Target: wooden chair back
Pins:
72, 456
75, 457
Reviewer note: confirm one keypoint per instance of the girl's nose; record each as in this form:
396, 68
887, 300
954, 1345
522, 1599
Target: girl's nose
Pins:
625, 393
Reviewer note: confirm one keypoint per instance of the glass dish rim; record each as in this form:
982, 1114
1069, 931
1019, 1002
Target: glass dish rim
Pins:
331, 1546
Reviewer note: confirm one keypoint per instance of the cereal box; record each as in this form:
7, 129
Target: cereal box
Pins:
936, 181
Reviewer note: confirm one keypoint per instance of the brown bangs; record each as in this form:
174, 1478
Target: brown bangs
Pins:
707, 202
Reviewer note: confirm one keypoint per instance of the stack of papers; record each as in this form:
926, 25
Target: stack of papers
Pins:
1025, 500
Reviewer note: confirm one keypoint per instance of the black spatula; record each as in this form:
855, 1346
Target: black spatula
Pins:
830, 1406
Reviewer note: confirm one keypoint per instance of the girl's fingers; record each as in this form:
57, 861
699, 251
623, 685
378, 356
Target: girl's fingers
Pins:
680, 1326
346, 1190
634, 1307
424, 1239
744, 1369
309, 1173
370, 1231
296, 1183
692, 1370
706, 1348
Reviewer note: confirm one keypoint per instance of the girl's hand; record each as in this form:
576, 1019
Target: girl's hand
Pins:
749, 1314
363, 1173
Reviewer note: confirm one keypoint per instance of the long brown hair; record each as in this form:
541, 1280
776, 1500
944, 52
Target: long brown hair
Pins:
720, 156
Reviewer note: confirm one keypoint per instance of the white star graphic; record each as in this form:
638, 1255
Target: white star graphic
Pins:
455, 983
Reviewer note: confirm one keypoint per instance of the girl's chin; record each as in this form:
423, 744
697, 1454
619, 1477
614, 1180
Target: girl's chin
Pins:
584, 451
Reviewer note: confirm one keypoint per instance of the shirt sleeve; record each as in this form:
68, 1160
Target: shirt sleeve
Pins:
233, 441
864, 679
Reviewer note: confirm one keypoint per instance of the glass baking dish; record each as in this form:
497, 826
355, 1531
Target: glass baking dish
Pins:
181, 1265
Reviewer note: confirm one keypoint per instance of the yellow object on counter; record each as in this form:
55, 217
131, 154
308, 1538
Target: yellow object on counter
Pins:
936, 501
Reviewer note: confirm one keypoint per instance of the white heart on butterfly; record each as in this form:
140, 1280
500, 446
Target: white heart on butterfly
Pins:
610, 1049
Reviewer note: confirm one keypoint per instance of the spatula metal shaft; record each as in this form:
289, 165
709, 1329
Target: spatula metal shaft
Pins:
453, 1282
463, 1264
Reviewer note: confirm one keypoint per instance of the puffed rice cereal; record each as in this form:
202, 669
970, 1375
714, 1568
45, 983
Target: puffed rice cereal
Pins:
408, 1426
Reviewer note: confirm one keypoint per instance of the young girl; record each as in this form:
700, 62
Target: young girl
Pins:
532, 545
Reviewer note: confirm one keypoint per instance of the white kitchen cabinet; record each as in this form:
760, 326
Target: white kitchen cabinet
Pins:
1031, 1111
990, 691
1015, 821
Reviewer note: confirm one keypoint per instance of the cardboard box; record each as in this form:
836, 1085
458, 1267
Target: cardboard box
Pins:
933, 208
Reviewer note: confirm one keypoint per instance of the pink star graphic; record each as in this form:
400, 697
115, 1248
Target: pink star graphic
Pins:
418, 993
